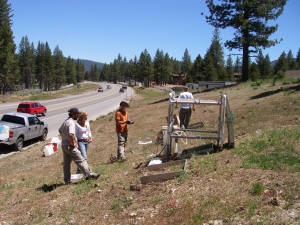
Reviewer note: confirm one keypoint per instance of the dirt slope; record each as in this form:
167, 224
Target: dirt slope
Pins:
216, 188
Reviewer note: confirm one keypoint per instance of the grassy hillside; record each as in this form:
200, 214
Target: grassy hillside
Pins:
257, 182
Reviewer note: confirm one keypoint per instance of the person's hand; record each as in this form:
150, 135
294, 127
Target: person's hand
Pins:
176, 106
130, 121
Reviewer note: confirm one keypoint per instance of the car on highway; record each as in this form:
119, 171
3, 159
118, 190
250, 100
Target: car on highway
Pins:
100, 89
34, 108
108, 86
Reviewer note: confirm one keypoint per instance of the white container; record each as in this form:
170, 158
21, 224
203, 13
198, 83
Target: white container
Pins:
174, 145
4, 134
48, 150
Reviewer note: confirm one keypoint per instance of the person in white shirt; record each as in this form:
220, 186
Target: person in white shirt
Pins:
70, 148
83, 134
185, 112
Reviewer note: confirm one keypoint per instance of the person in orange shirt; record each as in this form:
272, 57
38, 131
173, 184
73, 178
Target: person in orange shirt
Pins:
122, 121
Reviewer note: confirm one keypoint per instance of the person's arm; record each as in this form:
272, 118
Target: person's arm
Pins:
193, 104
130, 121
72, 138
89, 131
73, 142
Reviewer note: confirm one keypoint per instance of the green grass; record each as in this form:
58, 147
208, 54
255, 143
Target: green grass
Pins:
59, 93
252, 206
207, 163
83, 187
257, 188
152, 93
118, 204
274, 149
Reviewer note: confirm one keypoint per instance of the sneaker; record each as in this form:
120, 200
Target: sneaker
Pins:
93, 176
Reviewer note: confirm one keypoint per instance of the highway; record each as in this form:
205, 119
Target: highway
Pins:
95, 103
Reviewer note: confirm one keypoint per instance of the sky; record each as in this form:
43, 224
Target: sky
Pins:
99, 30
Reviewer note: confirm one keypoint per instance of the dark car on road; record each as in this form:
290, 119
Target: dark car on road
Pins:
100, 89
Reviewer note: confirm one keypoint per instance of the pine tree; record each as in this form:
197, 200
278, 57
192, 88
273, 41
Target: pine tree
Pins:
145, 68
48, 68
26, 62
197, 69
254, 72
250, 20
94, 73
290, 60
186, 63
167, 78
267, 70
260, 61
229, 69
158, 66
175, 66
135, 69
116, 71
79, 70
281, 64
237, 65
59, 68
124, 70
9, 73
71, 71
298, 60
217, 54
39, 62
210, 72
105, 73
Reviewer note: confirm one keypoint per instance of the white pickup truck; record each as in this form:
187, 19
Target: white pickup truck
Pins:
15, 128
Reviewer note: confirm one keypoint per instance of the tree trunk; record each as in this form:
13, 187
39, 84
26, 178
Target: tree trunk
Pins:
245, 65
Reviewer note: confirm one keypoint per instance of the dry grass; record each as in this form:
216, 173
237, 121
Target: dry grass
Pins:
73, 90
216, 187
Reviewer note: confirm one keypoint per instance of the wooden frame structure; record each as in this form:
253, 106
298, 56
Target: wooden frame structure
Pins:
225, 117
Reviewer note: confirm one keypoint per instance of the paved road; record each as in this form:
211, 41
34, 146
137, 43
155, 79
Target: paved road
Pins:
95, 103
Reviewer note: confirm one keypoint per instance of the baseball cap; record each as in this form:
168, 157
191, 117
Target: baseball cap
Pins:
73, 110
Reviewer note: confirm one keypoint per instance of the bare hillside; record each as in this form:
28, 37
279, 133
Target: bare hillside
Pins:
257, 182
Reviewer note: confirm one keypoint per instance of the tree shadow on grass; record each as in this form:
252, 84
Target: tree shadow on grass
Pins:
269, 93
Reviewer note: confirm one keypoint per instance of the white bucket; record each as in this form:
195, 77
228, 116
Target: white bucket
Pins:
48, 150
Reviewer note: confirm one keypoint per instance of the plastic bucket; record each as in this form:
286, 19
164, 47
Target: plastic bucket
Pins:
48, 150
54, 146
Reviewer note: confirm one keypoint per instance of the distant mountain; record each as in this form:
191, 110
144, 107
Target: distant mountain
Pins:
88, 63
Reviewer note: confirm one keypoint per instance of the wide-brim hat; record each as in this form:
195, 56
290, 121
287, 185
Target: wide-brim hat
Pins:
123, 103
74, 110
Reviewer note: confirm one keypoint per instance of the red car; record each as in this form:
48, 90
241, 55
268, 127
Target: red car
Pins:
34, 108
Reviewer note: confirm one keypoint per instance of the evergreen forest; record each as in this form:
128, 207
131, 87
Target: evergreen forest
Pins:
26, 65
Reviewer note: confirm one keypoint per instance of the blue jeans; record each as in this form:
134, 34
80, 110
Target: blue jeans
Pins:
83, 147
